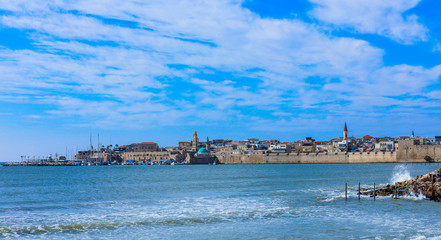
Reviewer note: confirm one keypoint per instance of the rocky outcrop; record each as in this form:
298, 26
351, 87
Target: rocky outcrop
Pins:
428, 185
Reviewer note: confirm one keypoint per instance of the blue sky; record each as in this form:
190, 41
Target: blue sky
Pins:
157, 70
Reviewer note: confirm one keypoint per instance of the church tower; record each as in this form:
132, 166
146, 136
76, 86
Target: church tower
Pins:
345, 132
195, 142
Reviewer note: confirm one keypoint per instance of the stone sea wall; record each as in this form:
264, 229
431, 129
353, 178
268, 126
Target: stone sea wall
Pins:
318, 158
410, 152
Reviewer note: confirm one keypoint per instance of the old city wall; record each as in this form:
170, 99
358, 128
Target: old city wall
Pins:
417, 153
408, 151
311, 158
373, 157
282, 158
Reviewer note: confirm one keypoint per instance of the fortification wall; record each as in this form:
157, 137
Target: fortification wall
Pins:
312, 158
242, 158
373, 157
417, 153
299, 158
408, 151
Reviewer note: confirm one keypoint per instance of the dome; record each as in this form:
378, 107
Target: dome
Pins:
202, 150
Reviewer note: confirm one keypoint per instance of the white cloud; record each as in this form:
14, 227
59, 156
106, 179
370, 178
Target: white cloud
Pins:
385, 18
437, 47
109, 75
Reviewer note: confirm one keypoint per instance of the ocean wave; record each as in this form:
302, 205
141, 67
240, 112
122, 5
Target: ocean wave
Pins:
226, 216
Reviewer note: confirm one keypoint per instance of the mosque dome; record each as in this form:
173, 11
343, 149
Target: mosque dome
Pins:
202, 150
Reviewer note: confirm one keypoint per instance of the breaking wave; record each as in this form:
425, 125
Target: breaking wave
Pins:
400, 173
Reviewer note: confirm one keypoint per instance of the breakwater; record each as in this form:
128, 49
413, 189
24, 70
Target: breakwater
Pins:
427, 185
39, 164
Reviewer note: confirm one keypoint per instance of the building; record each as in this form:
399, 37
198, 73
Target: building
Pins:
143, 156
202, 155
388, 146
323, 146
184, 146
308, 145
147, 147
281, 147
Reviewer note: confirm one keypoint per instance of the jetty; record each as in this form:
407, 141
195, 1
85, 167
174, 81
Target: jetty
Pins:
428, 185
40, 164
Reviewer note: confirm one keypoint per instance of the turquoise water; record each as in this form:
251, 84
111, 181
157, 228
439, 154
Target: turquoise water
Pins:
210, 202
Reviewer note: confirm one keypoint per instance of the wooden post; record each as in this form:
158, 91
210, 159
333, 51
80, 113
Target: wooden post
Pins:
346, 191
396, 193
432, 178
359, 191
374, 191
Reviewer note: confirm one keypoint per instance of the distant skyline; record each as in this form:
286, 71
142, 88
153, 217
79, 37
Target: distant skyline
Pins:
157, 71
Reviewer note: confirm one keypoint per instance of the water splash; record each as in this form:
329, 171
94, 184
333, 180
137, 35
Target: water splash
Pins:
400, 173
417, 196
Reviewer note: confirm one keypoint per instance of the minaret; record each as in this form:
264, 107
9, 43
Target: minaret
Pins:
345, 132
207, 145
194, 142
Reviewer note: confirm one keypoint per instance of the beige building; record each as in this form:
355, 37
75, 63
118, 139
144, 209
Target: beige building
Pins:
147, 156
184, 146
386, 146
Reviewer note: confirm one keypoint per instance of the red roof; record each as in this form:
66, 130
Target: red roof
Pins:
148, 143
286, 143
368, 136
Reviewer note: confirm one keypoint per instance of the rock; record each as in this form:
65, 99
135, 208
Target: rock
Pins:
415, 186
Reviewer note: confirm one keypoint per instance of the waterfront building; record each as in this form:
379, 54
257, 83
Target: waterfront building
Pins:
202, 155
388, 146
184, 145
308, 145
323, 146
98, 156
282, 147
143, 147
152, 156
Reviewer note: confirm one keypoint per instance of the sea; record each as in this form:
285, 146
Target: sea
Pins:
212, 202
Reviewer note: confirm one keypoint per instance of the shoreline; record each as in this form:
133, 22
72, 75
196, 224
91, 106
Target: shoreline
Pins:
70, 164
39, 164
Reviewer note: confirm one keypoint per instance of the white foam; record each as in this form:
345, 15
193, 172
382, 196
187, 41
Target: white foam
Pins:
400, 173
422, 237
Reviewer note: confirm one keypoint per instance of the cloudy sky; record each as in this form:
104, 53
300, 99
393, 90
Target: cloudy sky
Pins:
157, 70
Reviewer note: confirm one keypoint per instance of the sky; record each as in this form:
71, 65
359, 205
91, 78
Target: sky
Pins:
134, 71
